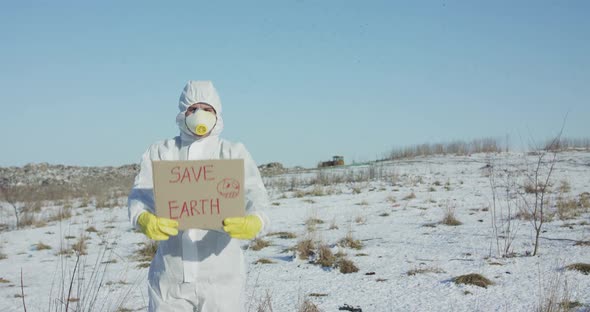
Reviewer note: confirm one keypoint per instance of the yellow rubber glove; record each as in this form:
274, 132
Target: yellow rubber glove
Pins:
157, 228
243, 227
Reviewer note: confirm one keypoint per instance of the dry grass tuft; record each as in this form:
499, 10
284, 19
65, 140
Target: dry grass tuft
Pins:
347, 266
305, 249
350, 242
147, 252
318, 295
325, 257
62, 214
333, 225
567, 208
424, 270
584, 199
65, 252
583, 268
265, 303
312, 222
391, 199
41, 246
449, 217
473, 279
264, 261
410, 196
4, 281
91, 229
258, 244
299, 194
360, 220
564, 187
80, 247
308, 306
283, 235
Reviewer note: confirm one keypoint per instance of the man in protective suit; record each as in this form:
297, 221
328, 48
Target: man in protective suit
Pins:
197, 270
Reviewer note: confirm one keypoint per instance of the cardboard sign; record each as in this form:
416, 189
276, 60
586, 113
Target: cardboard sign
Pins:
199, 194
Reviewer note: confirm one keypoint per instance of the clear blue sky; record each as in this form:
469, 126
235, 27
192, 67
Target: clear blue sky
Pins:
95, 83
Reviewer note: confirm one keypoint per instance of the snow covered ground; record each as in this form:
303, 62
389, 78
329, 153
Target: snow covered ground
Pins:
407, 261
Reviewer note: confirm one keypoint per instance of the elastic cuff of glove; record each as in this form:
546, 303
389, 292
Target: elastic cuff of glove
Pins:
262, 228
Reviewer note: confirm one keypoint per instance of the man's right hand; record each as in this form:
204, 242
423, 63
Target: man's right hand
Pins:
157, 228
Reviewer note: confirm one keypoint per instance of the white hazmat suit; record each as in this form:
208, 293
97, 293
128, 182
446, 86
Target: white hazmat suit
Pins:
197, 270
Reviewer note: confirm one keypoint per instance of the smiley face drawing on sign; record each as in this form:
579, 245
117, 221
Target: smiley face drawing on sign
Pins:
228, 188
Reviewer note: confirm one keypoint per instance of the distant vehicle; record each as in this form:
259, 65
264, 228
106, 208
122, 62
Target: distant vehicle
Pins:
336, 161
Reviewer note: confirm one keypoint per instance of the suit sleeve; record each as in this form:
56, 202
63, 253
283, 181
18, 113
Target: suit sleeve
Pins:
141, 197
256, 196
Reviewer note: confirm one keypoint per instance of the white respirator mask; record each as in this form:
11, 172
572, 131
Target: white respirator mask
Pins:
200, 122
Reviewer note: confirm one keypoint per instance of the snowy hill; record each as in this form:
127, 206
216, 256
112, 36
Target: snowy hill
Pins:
410, 227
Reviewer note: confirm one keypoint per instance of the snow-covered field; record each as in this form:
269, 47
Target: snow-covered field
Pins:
396, 216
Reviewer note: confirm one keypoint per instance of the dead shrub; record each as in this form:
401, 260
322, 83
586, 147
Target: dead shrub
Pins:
347, 266
583, 268
258, 244
325, 257
473, 279
305, 249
